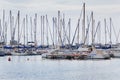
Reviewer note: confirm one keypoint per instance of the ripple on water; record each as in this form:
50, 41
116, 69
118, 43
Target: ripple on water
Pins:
19, 68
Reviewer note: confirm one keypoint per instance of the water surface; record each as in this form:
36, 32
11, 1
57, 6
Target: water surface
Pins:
36, 68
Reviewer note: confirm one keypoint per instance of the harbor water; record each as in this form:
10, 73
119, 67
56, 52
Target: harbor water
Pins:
36, 68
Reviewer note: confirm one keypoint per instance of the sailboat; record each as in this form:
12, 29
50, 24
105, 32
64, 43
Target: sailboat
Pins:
2, 52
32, 45
18, 50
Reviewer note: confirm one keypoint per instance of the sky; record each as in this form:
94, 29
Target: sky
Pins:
72, 8
103, 7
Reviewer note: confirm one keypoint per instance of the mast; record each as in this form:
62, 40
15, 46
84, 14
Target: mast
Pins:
87, 32
11, 28
69, 24
58, 28
110, 31
47, 31
31, 28
18, 26
60, 33
63, 24
105, 32
35, 23
43, 29
27, 28
53, 30
92, 29
99, 33
3, 35
56, 32
78, 31
24, 29
83, 27
5, 39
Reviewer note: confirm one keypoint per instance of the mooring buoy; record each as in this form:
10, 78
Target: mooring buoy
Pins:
9, 59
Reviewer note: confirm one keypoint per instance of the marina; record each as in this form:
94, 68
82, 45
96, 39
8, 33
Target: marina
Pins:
59, 39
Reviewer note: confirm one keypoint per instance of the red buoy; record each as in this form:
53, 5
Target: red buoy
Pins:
9, 59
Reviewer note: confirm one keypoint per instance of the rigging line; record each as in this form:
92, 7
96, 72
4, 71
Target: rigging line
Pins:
118, 35
59, 34
108, 30
63, 28
14, 29
50, 30
75, 31
96, 29
65, 33
88, 28
5, 38
76, 28
63, 25
114, 30
22, 29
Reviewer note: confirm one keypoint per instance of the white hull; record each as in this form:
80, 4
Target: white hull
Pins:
31, 53
115, 52
98, 54
18, 54
2, 52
